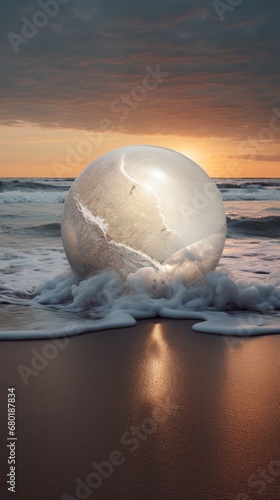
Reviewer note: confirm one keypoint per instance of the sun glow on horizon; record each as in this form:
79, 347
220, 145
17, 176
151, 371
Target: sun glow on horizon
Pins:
32, 151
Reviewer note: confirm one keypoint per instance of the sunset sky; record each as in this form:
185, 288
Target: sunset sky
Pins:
197, 76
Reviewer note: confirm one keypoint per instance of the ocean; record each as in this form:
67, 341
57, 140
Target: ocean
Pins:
41, 297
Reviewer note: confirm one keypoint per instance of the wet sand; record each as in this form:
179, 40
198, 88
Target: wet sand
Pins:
175, 414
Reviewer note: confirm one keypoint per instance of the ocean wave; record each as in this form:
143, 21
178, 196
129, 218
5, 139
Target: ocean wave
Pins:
249, 227
58, 195
21, 196
33, 185
253, 184
253, 194
261, 184
243, 227
51, 229
55, 190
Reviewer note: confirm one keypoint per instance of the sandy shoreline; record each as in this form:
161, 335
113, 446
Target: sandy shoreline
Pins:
176, 414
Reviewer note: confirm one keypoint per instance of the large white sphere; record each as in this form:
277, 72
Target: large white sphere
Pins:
144, 206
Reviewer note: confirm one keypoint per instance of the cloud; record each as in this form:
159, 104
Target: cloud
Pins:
259, 157
222, 75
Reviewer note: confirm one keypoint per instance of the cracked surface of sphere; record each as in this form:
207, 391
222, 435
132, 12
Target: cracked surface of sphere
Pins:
143, 206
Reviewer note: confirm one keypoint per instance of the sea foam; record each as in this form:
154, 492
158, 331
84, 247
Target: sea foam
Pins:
104, 301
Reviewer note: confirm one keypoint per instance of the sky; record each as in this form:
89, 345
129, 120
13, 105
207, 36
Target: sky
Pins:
82, 77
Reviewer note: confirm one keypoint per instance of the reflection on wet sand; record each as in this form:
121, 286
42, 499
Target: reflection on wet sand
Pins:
157, 361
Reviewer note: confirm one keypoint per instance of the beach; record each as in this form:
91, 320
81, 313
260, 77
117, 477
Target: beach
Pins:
206, 408
41, 296
147, 403
140, 250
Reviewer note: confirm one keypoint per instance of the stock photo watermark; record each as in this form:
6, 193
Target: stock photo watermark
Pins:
30, 28
260, 481
222, 8
11, 440
40, 359
249, 148
122, 108
200, 200
130, 442
245, 329
253, 145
